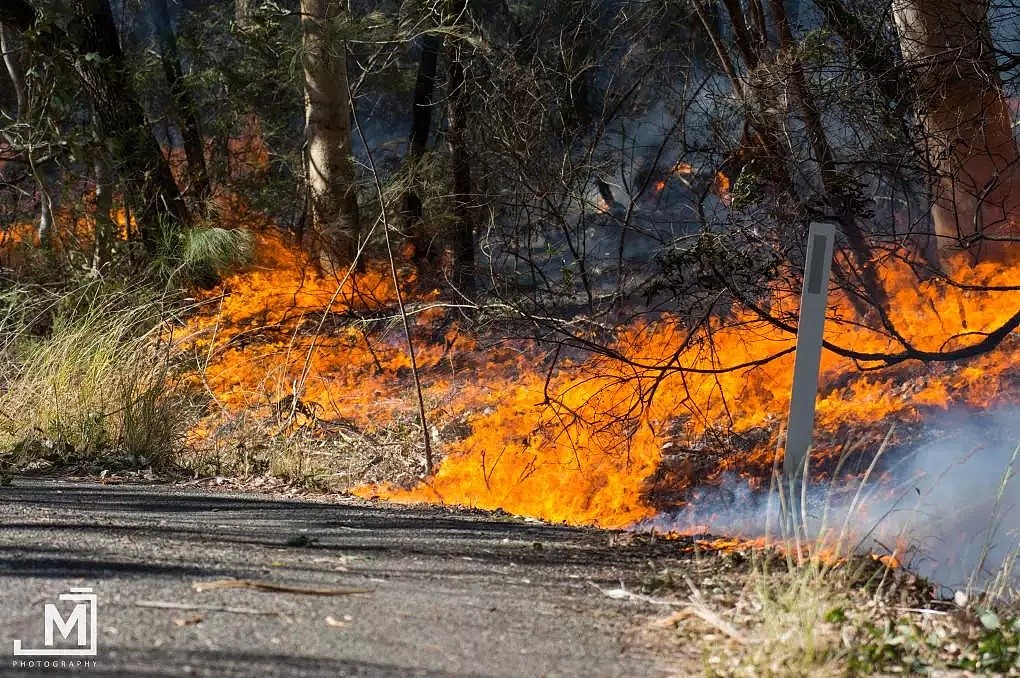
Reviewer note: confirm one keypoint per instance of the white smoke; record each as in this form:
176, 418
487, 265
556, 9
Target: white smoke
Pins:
953, 502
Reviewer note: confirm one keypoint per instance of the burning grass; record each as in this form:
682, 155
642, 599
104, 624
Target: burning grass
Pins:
310, 381
307, 378
585, 442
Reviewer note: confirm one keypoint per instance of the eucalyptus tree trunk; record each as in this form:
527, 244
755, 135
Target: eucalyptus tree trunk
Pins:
14, 69
332, 198
969, 141
242, 12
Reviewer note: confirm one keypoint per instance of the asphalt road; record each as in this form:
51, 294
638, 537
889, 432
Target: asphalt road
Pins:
449, 593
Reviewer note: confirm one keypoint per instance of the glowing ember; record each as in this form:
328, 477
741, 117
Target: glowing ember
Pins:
721, 187
681, 169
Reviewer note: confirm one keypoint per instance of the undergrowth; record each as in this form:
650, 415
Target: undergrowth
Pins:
810, 606
88, 375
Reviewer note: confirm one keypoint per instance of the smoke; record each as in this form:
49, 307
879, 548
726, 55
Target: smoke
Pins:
949, 507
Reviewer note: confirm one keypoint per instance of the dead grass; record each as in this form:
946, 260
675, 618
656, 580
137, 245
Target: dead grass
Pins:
330, 456
748, 614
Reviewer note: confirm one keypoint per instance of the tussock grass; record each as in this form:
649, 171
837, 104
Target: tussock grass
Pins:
88, 373
201, 255
218, 249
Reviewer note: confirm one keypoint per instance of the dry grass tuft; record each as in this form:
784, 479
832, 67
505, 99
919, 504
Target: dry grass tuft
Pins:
88, 374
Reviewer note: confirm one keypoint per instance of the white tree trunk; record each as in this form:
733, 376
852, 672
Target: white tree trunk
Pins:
328, 164
242, 12
969, 138
16, 71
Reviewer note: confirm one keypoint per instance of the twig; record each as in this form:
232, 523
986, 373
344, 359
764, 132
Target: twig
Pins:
269, 587
166, 605
429, 461
916, 610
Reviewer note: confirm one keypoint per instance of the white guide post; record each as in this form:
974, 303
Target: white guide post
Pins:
813, 301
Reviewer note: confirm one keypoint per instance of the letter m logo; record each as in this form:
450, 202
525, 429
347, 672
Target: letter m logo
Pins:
78, 618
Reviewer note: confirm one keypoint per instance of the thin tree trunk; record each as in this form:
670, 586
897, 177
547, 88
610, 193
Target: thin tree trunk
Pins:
741, 34
826, 159
761, 141
14, 69
464, 228
761, 30
720, 50
423, 104
969, 140
16, 72
104, 227
185, 112
122, 124
332, 197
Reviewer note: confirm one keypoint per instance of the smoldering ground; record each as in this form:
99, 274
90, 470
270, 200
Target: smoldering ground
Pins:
948, 507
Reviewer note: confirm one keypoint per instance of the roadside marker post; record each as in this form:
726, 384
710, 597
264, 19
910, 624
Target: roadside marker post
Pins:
813, 302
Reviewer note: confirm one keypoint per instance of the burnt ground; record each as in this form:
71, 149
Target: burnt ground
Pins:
449, 593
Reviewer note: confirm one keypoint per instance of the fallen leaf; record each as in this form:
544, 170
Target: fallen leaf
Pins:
188, 621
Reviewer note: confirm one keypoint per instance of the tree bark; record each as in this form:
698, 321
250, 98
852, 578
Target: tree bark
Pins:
332, 198
104, 227
969, 141
423, 104
242, 13
464, 228
122, 124
184, 105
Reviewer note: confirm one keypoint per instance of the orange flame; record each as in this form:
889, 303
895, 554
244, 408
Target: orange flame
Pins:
721, 187
681, 169
586, 459
575, 445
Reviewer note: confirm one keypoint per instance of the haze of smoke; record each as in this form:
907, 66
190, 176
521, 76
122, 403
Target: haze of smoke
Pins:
953, 502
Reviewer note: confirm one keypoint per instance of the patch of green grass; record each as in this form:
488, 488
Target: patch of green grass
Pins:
89, 374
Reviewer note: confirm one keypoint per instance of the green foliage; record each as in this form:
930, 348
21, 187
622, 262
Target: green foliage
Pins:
983, 643
997, 648
216, 249
884, 646
88, 376
201, 255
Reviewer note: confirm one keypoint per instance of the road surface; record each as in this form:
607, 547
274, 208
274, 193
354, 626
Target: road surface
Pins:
445, 593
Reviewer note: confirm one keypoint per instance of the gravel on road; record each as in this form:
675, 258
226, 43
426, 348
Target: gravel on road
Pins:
361, 589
